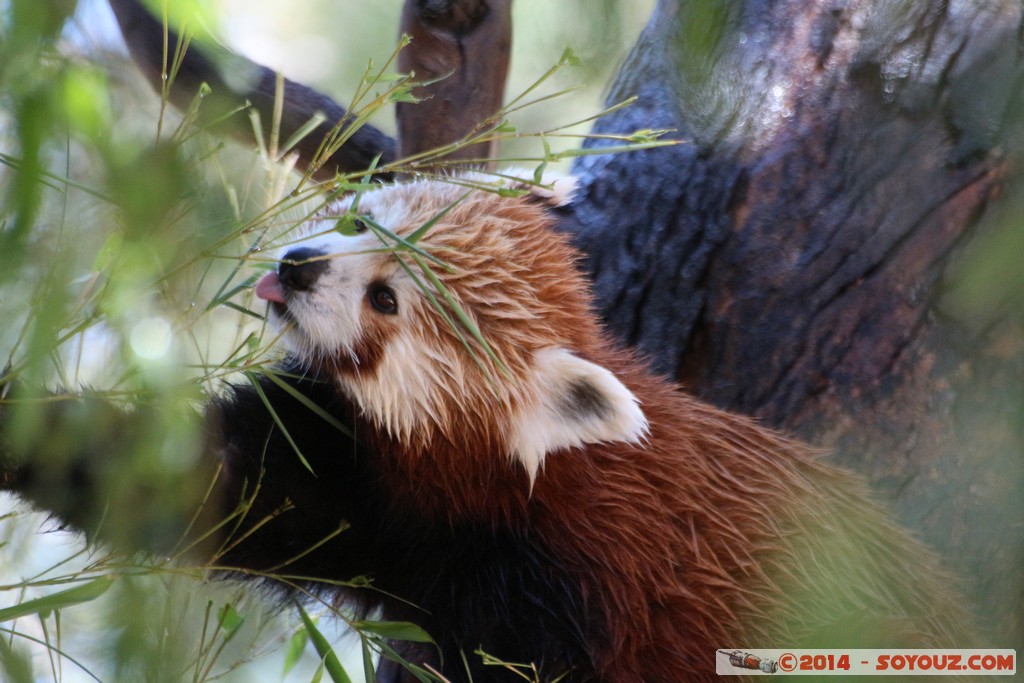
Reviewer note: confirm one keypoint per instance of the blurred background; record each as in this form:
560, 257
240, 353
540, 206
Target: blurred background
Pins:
125, 267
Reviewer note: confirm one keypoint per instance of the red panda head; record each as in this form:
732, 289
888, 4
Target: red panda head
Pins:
441, 309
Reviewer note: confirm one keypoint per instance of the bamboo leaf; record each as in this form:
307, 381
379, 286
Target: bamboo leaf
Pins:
425, 228
419, 673
569, 58
394, 630
293, 653
229, 620
369, 671
16, 666
461, 314
402, 242
87, 592
277, 420
242, 309
330, 660
309, 403
224, 294
436, 305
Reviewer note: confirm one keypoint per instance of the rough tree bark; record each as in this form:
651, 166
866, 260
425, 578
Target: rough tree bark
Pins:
793, 258
461, 50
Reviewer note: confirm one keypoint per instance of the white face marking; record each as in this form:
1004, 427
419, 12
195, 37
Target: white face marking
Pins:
405, 389
331, 318
407, 370
328, 317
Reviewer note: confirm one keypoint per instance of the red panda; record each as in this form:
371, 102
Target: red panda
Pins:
597, 522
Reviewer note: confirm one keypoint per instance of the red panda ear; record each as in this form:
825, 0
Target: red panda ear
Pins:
575, 403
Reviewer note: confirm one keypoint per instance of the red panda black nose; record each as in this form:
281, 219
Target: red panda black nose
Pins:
301, 268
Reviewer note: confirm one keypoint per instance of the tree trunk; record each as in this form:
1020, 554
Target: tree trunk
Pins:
460, 50
792, 258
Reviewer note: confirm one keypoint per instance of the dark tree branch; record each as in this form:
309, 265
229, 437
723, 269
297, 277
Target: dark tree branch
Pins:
235, 81
461, 48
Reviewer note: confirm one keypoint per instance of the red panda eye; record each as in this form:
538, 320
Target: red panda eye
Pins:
383, 299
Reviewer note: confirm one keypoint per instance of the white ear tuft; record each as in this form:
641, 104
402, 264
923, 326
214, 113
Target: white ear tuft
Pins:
575, 403
551, 189
555, 190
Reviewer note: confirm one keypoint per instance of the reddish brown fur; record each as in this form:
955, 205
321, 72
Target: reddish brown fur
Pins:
715, 533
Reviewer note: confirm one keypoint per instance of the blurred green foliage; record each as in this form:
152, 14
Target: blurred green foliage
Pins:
112, 246
128, 245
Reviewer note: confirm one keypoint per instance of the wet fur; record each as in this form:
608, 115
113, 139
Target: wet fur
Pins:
611, 560
637, 557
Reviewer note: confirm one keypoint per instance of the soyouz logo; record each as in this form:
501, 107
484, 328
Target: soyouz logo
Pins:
758, 662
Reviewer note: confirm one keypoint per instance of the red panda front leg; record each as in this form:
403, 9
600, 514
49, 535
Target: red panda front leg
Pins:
243, 469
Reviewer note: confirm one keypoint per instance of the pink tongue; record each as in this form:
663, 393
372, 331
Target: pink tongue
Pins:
269, 288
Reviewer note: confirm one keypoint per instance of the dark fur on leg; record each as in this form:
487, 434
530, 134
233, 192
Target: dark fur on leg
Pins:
291, 527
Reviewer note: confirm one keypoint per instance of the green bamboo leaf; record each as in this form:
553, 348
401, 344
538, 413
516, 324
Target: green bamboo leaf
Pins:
242, 309
346, 224
324, 649
390, 78
87, 592
402, 242
308, 403
403, 94
229, 620
436, 305
394, 630
257, 131
425, 228
461, 314
224, 295
293, 653
16, 163
343, 186
15, 664
365, 185
538, 173
569, 58
419, 673
277, 420
648, 134
369, 670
